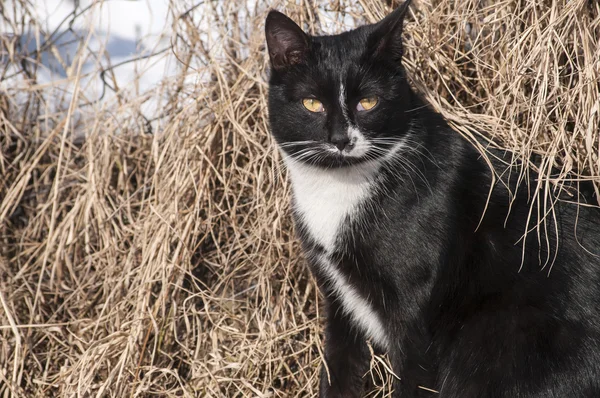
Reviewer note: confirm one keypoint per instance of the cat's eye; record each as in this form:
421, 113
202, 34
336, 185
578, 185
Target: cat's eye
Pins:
313, 105
366, 104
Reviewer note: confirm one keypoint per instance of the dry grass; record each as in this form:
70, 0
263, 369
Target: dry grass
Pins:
156, 257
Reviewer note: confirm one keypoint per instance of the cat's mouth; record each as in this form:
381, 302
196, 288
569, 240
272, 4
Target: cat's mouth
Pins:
328, 155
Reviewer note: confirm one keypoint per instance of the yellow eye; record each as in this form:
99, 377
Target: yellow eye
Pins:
366, 104
313, 105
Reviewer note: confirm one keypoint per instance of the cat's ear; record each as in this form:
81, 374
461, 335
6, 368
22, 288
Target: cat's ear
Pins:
386, 38
286, 42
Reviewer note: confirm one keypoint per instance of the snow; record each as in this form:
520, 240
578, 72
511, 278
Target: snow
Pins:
129, 39
120, 37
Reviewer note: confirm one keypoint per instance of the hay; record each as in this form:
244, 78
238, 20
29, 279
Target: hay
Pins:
156, 257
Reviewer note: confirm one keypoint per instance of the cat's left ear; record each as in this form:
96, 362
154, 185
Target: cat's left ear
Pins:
286, 42
386, 38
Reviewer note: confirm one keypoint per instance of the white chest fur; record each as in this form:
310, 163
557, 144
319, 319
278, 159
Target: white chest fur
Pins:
353, 304
323, 200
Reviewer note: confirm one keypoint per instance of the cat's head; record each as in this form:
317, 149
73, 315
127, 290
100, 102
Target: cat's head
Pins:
337, 100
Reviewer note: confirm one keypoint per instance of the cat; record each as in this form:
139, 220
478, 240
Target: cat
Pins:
416, 247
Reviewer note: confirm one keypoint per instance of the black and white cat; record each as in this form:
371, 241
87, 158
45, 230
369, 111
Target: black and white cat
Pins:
414, 245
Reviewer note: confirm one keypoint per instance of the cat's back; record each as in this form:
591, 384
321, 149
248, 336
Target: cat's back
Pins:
530, 291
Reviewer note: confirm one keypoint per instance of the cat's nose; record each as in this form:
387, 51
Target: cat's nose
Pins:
341, 141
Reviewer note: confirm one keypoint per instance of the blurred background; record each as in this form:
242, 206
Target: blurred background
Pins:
146, 247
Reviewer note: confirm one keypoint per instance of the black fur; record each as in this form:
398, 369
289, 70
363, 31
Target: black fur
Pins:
470, 312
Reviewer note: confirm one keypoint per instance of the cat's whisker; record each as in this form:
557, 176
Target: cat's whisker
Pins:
298, 143
417, 172
404, 161
415, 108
403, 158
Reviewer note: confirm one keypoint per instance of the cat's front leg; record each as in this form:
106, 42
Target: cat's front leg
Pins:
346, 355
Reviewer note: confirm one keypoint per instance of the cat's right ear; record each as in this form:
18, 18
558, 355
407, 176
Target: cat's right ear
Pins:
286, 42
386, 39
